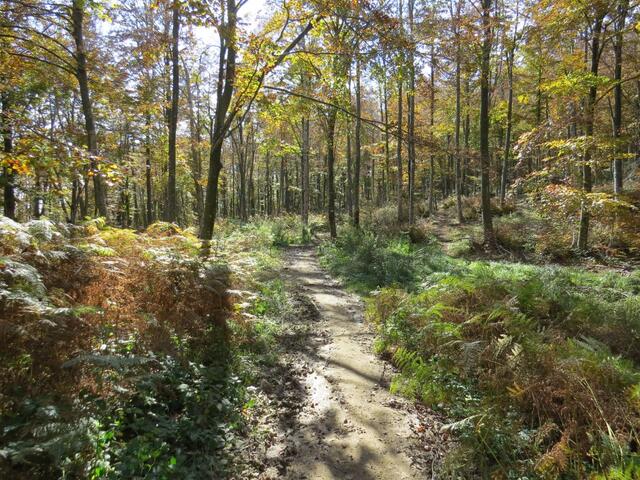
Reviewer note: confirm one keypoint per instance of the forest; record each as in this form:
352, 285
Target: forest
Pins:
320, 239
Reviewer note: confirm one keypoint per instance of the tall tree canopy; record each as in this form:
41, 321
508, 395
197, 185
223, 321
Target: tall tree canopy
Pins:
184, 111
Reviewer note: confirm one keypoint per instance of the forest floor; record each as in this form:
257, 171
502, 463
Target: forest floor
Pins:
345, 424
449, 232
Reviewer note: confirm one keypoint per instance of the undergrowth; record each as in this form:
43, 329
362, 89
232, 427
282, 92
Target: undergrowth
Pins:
537, 366
127, 355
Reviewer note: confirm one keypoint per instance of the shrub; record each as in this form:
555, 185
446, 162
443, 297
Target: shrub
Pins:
459, 248
290, 230
472, 209
384, 220
369, 260
163, 229
120, 366
537, 365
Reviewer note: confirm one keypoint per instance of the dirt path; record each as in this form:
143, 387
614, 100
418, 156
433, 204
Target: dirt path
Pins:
349, 426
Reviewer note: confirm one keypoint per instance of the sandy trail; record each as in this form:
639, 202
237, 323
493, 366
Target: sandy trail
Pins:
350, 427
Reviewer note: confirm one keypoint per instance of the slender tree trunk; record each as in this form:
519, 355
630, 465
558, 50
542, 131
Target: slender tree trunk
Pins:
226, 79
587, 176
304, 160
411, 115
358, 145
268, 189
240, 147
331, 205
305, 171
196, 159
432, 113
399, 136
637, 108
387, 151
250, 186
349, 156
282, 186
224, 93
487, 222
349, 193
172, 208
372, 188
618, 172
8, 176
75, 200
38, 201
458, 159
148, 173
77, 15
507, 144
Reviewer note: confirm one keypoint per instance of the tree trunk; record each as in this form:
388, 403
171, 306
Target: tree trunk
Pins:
387, 152
466, 129
226, 79
507, 144
305, 171
250, 185
172, 209
618, 171
432, 112
349, 193
148, 173
268, 189
411, 115
100, 193
331, 205
222, 123
196, 159
487, 222
241, 151
587, 176
8, 176
458, 159
358, 145
399, 139
282, 184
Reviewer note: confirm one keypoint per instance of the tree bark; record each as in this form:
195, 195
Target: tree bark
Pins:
331, 204
458, 159
349, 192
506, 159
196, 159
100, 193
224, 92
268, 189
411, 115
618, 171
399, 136
487, 222
222, 122
358, 145
172, 208
8, 177
387, 152
305, 171
148, 173
587, 176
432, 112
507, 144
